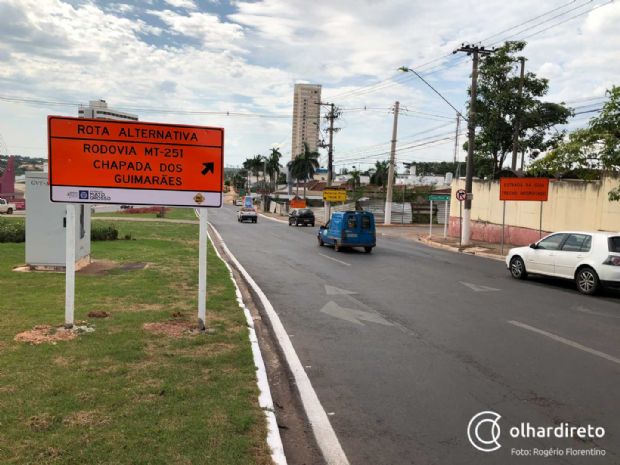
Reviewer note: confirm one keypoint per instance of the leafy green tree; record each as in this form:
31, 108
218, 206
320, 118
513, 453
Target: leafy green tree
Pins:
590, 150
304, 165
435, 168
498, 107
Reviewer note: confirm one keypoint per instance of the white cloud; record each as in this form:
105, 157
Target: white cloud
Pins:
249, 61
187, 4
212, 33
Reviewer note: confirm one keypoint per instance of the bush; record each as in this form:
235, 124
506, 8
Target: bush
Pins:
12, 231
103, 233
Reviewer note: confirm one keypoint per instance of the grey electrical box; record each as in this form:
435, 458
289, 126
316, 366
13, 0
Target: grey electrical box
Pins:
45, 227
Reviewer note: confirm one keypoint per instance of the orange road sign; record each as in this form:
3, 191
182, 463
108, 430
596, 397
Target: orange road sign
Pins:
524, 189
298, 203
127, 162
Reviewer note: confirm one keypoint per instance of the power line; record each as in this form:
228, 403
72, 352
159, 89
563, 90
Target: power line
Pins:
394, 80
147, 109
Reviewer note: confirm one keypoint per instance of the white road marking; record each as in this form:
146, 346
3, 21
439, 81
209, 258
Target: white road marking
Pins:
333, 290
265, 401
353, 315
568, 342
273, 219
321, 427
582, 309
479, 287
335, 259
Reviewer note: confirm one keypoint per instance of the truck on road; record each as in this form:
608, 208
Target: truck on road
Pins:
6, 207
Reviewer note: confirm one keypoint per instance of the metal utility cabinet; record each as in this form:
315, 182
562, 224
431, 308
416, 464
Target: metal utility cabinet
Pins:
45, 227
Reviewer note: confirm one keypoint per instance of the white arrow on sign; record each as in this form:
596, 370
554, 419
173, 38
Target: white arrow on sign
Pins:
478, 287
352, 315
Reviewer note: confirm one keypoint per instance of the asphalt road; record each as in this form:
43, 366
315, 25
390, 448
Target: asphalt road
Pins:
405, 345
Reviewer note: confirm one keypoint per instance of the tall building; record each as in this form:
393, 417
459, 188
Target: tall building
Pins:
99, 109
306, 117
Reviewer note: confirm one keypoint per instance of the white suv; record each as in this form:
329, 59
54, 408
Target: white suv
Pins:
591, 259
247, 213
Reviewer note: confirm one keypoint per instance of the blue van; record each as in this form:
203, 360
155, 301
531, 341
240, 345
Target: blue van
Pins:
349, 229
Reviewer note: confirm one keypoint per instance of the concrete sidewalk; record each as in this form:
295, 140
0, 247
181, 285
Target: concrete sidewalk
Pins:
420, 233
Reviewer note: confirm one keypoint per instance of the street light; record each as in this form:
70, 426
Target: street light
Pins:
405, 69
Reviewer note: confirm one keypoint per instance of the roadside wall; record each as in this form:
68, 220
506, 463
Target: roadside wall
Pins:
572, 205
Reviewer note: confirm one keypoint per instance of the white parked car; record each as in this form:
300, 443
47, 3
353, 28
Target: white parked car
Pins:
591, 259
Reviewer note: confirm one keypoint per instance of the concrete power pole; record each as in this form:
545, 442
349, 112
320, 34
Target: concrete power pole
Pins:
475, 51
456, 146
330, 147
515, 136
388, 199
331, 116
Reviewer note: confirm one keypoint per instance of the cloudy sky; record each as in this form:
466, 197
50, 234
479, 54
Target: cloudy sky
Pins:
233, 64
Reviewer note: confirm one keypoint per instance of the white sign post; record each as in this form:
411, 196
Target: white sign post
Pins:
202, 270
430, 223
445, 218
70, 265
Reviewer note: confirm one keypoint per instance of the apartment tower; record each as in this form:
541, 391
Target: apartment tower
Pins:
306, 117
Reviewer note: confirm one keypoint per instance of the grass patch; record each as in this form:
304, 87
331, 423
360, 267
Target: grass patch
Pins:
172, 214
123, 394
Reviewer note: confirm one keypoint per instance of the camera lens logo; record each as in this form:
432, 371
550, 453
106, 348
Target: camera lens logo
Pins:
483, 431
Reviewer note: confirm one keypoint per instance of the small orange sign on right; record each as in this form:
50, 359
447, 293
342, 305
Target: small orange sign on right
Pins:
524, 189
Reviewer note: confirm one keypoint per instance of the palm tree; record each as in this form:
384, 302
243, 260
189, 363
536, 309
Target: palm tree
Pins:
380, 176
304, 165
273, 165
355, 177
254, 165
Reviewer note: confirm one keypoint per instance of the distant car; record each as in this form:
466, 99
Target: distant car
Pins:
349, 229
303, 216
247, 214
239, 202
591, 259
6, 207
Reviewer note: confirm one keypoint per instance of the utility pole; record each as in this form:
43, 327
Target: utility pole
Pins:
331, 116
475, 51
517, 128
456, 145
388, 199
330, 147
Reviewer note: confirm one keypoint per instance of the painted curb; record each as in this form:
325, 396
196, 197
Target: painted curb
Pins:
264, 398
438, 245
321, 427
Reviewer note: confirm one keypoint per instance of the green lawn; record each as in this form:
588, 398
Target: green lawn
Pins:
123, 395
172, 214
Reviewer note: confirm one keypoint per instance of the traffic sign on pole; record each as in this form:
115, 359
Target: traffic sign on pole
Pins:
461, 195
439, 197
130, 162
334, 195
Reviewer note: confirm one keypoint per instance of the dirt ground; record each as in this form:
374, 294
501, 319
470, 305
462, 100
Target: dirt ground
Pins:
42, 334
172, 328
